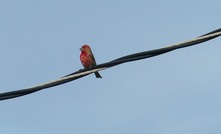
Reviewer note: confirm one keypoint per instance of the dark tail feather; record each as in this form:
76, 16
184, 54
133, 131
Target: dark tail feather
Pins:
97, 75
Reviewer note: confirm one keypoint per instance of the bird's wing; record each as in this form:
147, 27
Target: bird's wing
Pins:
94, 61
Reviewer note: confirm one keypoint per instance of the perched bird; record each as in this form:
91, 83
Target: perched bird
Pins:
87, 58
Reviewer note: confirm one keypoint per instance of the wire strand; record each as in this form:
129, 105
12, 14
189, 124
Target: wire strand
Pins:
121, 60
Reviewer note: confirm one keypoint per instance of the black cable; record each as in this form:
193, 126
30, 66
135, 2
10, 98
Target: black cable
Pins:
124, 59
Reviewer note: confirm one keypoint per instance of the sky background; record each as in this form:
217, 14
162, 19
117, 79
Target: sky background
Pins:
175, 93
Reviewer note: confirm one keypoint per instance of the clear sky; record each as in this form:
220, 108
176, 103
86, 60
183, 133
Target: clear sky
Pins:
175, 93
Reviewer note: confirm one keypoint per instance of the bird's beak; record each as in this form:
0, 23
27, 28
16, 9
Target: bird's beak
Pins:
80, 48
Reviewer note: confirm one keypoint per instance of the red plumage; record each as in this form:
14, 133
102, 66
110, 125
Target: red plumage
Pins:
87, 59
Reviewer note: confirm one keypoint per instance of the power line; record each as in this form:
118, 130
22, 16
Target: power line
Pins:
121, 60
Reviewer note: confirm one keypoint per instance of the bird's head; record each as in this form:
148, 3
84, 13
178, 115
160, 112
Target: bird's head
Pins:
85, 48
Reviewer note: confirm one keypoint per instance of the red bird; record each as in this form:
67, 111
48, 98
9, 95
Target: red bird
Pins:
87, 59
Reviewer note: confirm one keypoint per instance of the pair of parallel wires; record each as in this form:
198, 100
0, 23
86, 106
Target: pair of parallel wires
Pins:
128, 58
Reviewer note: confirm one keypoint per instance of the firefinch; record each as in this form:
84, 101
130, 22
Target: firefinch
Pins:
87, 59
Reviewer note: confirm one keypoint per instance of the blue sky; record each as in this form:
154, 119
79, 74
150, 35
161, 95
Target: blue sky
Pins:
178, 92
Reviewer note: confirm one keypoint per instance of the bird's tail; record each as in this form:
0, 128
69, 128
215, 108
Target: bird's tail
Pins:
97, 75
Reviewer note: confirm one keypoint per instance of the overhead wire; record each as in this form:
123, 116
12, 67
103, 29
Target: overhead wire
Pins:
128, 58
